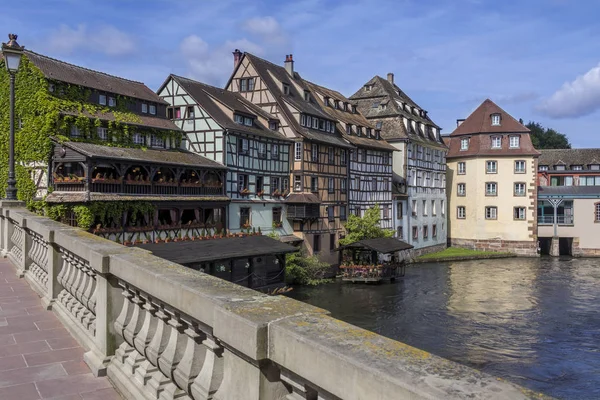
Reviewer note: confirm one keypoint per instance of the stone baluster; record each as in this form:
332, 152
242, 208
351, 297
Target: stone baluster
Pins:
194, 353
298, 391
171, 356
210, 377
157, 345
142, 341
122, 321
131, 331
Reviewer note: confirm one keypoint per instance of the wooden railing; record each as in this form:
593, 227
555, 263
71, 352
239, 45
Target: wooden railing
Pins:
163, 331
135, 187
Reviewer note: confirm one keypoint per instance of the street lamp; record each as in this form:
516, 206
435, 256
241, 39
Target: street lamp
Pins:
12, 53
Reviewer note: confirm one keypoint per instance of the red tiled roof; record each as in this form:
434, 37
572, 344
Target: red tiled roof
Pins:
480, 121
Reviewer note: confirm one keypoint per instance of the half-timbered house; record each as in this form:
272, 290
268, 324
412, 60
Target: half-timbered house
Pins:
317, 204
116, 163
419, 164
370, 167
227, 128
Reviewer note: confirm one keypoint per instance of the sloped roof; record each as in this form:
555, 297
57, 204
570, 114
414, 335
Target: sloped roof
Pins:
380, 245
144, 120
570, 157
171, 157
348, 118
481, 145
207, 96
569, 191
302, 198
64, 72
480, 121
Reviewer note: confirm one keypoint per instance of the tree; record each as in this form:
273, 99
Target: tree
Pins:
305, 270
367, 227
547, 138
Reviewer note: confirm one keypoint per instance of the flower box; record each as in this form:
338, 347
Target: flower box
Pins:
138, 182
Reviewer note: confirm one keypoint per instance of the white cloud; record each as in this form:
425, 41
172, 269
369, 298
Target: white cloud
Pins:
575, 99
107, 40
267, 28
213, 65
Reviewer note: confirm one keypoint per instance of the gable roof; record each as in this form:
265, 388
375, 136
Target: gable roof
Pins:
570, 157
269, 73
207, 97
64, 72
480, 121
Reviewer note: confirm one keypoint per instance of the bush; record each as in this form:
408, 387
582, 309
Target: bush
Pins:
305, 270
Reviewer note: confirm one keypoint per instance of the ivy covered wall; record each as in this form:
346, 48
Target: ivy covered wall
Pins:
38, 118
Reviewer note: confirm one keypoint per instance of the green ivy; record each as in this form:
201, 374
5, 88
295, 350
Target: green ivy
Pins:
103, 213
39, 112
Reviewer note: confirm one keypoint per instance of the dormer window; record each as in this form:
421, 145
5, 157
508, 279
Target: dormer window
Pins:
349, 129
595, 167
377, 134
353, 109
152, 109
144, 108
560, 167
137, 138
332, 127
359, 130
157, 141
495, 119
515, 142
326, 101
286, 88
464, 144
577, 167
543, 168
306, 95
379, 125
75, 132
315, 123
102, 99
273, 125
383, 106
368, 88
112, 102
336, 104
375, 105
369, 132
239, 119
190, 112
345, 107
496, 142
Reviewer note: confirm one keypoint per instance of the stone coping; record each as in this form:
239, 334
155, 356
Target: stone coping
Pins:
463, 258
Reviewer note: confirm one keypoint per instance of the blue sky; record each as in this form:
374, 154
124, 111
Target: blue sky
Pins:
538, 59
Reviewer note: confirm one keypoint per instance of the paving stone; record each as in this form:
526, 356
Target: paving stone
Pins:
76, 367
54, 356
12, 362
62, 343
6, 340
18, 327
45, 325
41, 335
27, 391
102, 394
24, 348
31, 374
71, 384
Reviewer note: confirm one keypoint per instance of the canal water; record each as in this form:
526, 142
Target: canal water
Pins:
535, 322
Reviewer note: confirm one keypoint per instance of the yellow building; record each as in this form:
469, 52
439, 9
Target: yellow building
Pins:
491, 177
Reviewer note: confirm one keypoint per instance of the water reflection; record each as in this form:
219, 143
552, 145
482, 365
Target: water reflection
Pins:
532, 321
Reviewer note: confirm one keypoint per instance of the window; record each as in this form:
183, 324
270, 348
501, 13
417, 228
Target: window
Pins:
414, 208
358, 130
491, 189
368, 88
302, 119
348, 129
543, 168
594, 167
153, 109
286, 88
102, 133
331, 155
462, 168
491, 167
286, 184
112, 102
298, 151
297, 183
332, 241
102, 99
322, 124
316, 243
399, 211
248, 121
306, 95
277, 215
514, 142
246, 84
464, 144
315, 123
357, 211
260, 187
314, 184
577, 167
415, 233
343, 216
496, 142
496, 119
331, 213
75, 131
461, 212
178, 113
243, 146
433, 208
275, 151
520, 189
343, 157
190, 112
425, 232
461, 189
238, 119
434, 231
138, 138
170, 113
443, 209
144, 108
519, 213
51, 87
262, 150
519, 167
559, 167
274, 184
374, 187
242, 182
424, 208
491, 213
343, 185
331, 186
597, 212
375, 104
244, 217
273, 125
336, 104
314, 151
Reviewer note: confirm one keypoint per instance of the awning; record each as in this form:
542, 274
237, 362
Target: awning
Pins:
302, 198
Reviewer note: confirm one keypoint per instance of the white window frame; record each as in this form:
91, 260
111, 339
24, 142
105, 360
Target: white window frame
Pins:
112, 102
275, 151
298, 151
461, 189
461, 212
488, 167
75, 131
157, 142
520, 213
519, 192
491, 189
102, 133
331, 185
462, 168
491, 212
248, 121
102, 99
496, 119
464, 144
144, 108
262, 150
514, 142
496, 142
138, 138
152, 110
520, 170
302, 120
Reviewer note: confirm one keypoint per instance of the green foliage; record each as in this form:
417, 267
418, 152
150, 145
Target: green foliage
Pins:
85, 217
304, 270
457, 252
547, 138
366, 227
42, 115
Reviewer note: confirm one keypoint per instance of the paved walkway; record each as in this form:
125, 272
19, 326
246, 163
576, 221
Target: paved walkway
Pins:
39, 359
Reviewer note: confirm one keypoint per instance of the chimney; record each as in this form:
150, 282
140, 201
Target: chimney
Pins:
459, 122
289, 64
237, 56
390, 78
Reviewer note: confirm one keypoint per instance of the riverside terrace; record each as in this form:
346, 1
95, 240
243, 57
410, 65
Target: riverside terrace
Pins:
161, 330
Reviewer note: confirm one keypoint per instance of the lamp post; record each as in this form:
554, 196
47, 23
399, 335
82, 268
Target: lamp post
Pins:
12, 53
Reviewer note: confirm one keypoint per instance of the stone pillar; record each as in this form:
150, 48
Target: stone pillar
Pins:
54, 267
6, 227
554, 247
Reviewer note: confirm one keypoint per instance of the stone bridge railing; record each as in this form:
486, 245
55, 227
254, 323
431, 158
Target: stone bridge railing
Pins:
163, 331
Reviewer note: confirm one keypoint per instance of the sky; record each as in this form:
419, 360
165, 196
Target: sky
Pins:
537, 59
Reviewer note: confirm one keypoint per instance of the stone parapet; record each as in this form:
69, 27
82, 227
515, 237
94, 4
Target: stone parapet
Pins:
163, 331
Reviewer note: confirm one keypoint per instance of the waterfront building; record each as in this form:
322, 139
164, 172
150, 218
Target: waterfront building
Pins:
568, 209
318, 199
116, 166
225, 127
492, 168
370, 167
419, 164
